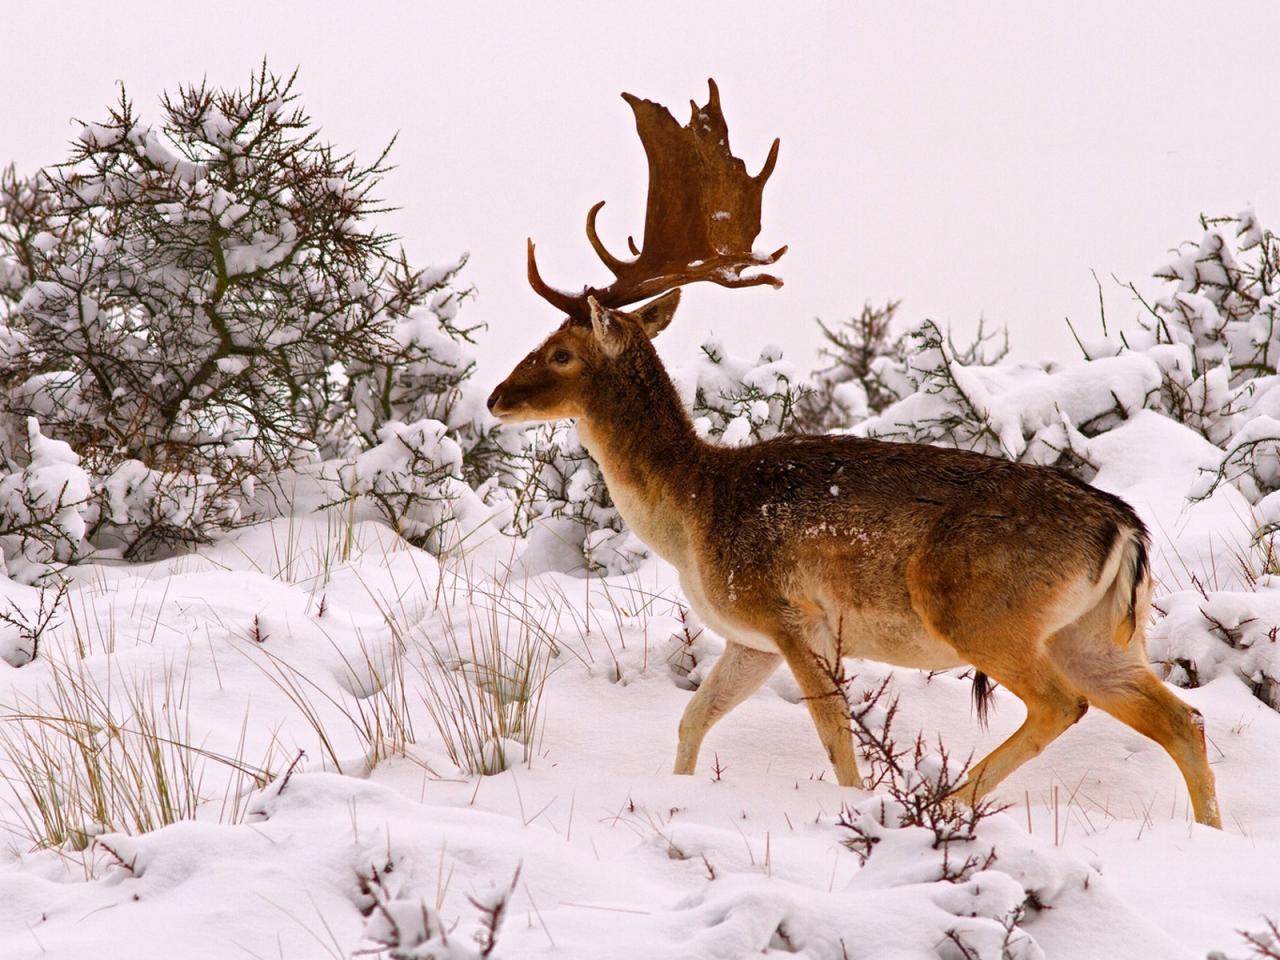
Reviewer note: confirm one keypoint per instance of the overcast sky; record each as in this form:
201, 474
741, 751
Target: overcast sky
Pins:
968, 159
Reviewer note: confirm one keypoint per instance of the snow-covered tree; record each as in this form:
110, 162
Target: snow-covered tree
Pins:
863, 362
1204, 352
1034, 413
845, 389
414, 479
735, 400
209, 298
424, 371
26, 225
1202, 635
559, 492
1216, 332
42, 508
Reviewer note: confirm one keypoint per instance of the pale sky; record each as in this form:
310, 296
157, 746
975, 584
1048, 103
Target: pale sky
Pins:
968, 159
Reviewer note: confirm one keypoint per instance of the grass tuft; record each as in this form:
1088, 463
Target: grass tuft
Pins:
87, 757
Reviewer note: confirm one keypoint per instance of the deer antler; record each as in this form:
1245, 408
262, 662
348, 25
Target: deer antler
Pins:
702, 215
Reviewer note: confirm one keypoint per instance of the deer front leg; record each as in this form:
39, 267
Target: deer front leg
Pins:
820, 682
735, 676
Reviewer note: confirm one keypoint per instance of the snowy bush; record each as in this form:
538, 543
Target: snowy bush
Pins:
424, 372
26, 226
1214, 332
144, 508
560, 493
1262, 944
207, 300
43, 506
402, 927
1025, 412
845, 390
915, 832
413, 477
736, 401
966, 879
1203, 636
864, 365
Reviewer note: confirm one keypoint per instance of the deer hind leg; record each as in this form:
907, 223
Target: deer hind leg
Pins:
735, 676
1012, 651
1053, 705
1118, 680
1145, 703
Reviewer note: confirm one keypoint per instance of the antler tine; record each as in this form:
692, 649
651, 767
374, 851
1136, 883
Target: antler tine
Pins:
610, 261
570, 304
702, 215
729, 277
767, 170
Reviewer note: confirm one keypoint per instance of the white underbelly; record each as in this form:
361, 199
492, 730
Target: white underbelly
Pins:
894, 637
897, 638
721, 624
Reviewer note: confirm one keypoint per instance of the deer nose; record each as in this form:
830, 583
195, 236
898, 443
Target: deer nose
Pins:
494, 398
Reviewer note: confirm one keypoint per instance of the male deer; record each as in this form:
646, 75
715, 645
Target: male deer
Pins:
803, 548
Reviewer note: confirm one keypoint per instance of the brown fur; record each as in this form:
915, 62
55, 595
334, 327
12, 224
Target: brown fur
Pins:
805, 549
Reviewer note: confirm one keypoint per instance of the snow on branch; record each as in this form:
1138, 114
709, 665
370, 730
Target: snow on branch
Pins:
199, 300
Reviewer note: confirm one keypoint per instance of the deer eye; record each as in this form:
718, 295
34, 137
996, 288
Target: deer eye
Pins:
561, 356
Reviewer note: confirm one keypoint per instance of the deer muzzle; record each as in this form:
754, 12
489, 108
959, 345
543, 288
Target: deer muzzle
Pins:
495, 401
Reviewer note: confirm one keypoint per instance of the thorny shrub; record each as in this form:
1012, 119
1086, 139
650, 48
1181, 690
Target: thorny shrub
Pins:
919, 784
847, 388
1263, 944
196, 303
401, 927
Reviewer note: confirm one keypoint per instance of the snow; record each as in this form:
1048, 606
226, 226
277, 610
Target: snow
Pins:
1032, 412
416, 718
52, 485
1220, 633
287, 629
264, 251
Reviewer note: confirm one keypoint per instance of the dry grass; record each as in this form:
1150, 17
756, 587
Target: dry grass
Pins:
91, 752
484, 678
479, 657
88, 756
376, 710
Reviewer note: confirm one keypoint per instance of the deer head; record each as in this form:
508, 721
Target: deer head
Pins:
701, 219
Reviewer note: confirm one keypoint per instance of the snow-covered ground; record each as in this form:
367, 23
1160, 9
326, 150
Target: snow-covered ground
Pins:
310, 634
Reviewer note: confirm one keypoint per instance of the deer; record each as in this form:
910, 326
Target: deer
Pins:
805, 549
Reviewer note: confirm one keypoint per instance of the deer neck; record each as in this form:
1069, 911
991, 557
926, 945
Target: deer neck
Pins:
653, 462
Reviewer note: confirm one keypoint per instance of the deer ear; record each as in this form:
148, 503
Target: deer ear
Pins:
653, 317
607, 328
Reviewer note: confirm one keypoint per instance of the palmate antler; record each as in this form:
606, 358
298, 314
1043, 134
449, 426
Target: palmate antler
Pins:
702, 215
